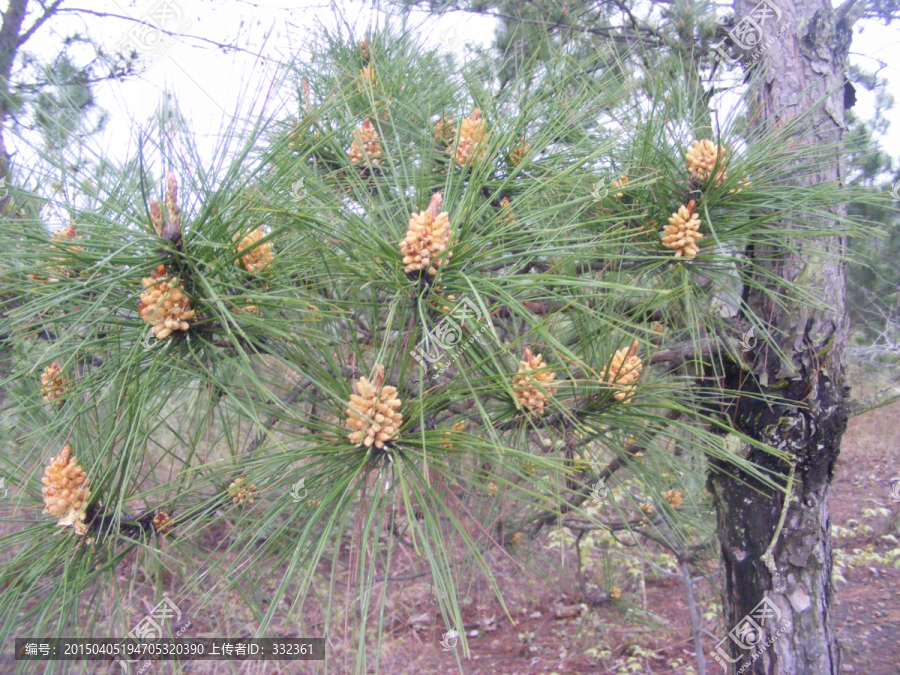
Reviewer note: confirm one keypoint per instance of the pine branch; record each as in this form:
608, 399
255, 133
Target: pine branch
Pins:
286, 400
629, 451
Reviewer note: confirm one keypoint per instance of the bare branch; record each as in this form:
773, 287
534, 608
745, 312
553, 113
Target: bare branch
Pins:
50, 11
687, 351
695, 619
629, 452
621, 33
879, 400
850, 12
111, 15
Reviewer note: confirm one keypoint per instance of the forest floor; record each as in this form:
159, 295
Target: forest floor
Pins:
867, 603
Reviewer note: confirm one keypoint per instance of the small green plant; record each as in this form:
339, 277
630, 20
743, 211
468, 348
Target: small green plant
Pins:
862, 557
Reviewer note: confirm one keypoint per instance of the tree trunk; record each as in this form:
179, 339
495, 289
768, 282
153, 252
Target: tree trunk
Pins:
778, 607
9, 46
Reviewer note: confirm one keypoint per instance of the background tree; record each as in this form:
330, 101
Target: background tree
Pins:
872, 279
52, 97
47, 100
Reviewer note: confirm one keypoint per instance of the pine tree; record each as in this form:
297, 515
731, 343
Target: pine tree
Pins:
444, 350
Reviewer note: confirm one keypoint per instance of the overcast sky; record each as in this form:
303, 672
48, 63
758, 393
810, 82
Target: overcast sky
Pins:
210, 85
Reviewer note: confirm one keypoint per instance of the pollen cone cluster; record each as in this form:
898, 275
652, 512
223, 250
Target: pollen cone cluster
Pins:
367, 77
445, 131
517, 154
365, 144
253, 257
624, 370
743, 183
622, 182
68, 232
427, 238
307, 96
373, 413
448, 445
472, 139
526, 381
53, 384
65, 484
295, 132
65, 236
674, 498
616, 592
164, 305
683, 232
247, 308
58, 267
162, 523
580, 464
241, 491
701, 159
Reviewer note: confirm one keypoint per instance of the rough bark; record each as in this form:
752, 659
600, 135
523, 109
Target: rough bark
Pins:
804, 71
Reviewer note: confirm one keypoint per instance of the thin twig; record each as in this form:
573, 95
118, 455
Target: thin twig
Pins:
767, 556
629, 452
289, 399
695, 619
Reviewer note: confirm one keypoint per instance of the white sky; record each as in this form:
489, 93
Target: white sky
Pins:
208, 84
